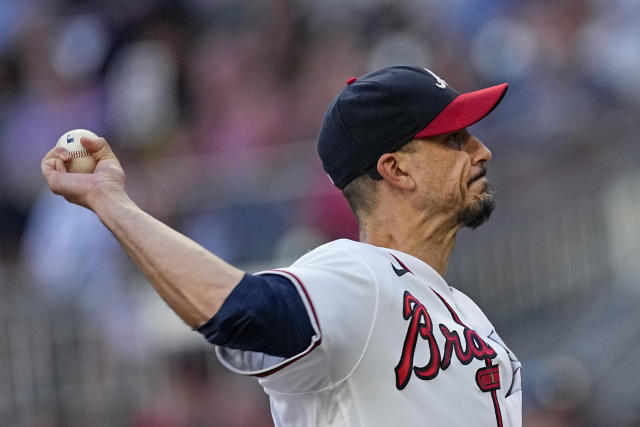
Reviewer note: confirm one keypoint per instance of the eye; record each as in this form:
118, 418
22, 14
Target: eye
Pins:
454, 140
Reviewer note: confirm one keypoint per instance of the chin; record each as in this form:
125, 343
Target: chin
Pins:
479, 210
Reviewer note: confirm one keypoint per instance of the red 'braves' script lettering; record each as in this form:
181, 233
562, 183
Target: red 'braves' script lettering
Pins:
420, 325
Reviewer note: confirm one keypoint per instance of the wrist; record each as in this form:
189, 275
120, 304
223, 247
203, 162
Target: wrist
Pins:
107, 203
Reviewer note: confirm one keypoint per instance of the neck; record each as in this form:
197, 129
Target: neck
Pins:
428, 238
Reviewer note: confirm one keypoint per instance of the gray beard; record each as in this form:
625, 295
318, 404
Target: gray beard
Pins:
477, 213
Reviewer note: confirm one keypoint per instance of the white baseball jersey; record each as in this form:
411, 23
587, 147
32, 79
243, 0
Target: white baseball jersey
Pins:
394, 345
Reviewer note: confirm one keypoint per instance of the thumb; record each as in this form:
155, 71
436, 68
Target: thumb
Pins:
98, 147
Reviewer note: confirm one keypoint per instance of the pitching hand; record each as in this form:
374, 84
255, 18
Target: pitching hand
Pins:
85, 189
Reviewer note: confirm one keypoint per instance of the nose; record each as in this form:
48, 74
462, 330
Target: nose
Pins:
478, 151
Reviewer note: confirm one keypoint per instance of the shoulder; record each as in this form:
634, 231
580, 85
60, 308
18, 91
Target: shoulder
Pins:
341, 262
464, 300
471, 309
340, 293
334, 270
337, 251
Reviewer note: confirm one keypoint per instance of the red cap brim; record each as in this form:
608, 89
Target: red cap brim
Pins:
465, 110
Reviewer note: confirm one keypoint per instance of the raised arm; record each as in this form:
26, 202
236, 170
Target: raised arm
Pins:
193, 281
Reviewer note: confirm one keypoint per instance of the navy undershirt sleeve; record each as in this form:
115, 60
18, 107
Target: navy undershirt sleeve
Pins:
263, 314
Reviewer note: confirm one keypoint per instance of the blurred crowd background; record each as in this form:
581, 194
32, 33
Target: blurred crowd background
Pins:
213, 107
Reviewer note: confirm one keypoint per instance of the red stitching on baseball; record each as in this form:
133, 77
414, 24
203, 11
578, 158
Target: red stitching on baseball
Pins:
79, 153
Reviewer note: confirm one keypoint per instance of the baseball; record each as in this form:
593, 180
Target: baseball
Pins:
82, 161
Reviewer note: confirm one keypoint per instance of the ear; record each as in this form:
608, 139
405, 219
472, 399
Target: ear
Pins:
392, 167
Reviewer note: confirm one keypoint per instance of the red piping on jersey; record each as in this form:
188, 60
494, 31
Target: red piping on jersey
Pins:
401, 263
494, 395
313, 310
453, 313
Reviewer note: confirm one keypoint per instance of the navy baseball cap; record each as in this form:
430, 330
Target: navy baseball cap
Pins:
383, 110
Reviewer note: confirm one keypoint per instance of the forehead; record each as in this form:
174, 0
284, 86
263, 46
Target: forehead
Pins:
456, 136
460, 133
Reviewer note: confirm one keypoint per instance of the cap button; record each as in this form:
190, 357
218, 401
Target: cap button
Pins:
351, 80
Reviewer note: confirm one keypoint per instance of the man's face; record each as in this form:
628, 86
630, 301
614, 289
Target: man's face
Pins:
451, 169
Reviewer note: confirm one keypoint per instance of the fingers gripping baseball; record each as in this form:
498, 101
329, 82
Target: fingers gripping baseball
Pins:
99, 148
85, 189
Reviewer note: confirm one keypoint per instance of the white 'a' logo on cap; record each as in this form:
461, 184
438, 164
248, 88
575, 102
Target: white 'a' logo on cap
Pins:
439, 82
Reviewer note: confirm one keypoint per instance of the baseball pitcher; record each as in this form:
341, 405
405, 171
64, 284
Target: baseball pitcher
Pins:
363, 333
